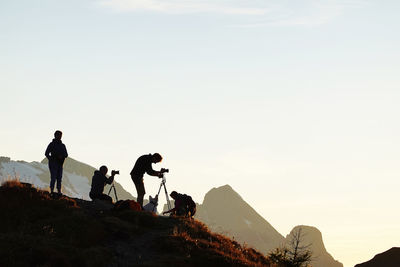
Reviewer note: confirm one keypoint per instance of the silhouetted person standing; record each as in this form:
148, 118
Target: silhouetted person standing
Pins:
56, 153
99, 180
142, 166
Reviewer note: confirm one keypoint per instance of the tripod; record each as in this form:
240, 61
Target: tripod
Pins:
163, 181
115, 191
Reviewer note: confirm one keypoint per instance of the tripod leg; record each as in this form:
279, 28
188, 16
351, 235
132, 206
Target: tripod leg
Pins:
115, 193
159, 189
166, 196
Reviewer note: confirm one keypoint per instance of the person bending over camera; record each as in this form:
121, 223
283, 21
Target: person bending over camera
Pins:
142, 166
184, 205
99, 180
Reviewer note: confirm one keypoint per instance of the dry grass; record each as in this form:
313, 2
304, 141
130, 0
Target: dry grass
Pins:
12, 183
36, 230
194, 241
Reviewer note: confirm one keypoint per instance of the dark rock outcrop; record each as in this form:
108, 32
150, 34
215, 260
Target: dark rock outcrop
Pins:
389, 258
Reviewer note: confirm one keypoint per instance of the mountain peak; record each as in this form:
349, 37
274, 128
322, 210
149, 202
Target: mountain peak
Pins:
225, 187
225, 211
310, 234
312, 237
217, 193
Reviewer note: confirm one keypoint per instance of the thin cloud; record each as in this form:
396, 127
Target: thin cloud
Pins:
259, 13
304, 13
315, 13
183, 7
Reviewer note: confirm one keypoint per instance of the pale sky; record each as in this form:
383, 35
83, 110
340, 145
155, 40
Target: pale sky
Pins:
295, 104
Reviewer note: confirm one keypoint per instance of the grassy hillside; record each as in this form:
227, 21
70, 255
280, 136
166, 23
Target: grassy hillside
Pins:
37, 230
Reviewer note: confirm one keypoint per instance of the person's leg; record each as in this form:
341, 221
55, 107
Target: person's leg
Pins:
181, 211
53, 175
192, 211
140, 190
100, 197
59, 178
105, 197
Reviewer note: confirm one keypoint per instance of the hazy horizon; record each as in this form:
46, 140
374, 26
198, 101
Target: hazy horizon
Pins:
295, 105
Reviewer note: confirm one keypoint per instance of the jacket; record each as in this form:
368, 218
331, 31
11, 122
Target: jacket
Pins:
98, 182
56, 152
142, 166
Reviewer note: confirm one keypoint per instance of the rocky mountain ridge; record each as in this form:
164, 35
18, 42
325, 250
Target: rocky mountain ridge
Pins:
225, 211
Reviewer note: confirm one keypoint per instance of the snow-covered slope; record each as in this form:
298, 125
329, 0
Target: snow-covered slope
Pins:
76, 182
26, 172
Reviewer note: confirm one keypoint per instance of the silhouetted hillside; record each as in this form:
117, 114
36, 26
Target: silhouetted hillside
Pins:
223, 210
36, 230
389, 258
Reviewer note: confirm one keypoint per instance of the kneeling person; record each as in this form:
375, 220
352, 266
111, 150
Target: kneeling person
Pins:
184, 205
99, 180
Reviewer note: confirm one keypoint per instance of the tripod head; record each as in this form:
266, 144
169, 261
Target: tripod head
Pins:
162, 173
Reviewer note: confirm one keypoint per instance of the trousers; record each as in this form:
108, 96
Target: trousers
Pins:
56, 171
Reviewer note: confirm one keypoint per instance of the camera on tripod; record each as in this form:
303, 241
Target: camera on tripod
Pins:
113, 172
164, 170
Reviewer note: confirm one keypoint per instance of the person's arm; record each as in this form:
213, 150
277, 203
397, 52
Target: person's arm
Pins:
170, 211
110, 179
48, 151
150, 171
177, 205
65, 152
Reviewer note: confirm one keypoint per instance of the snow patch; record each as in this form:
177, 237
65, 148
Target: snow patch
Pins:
30, 172
25, 172
249, 223
81, 187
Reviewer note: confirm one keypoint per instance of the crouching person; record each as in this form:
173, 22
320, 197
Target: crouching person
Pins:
184, 205
99, 180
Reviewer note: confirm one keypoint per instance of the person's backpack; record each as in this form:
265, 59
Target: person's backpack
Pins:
188, 201
189, 204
